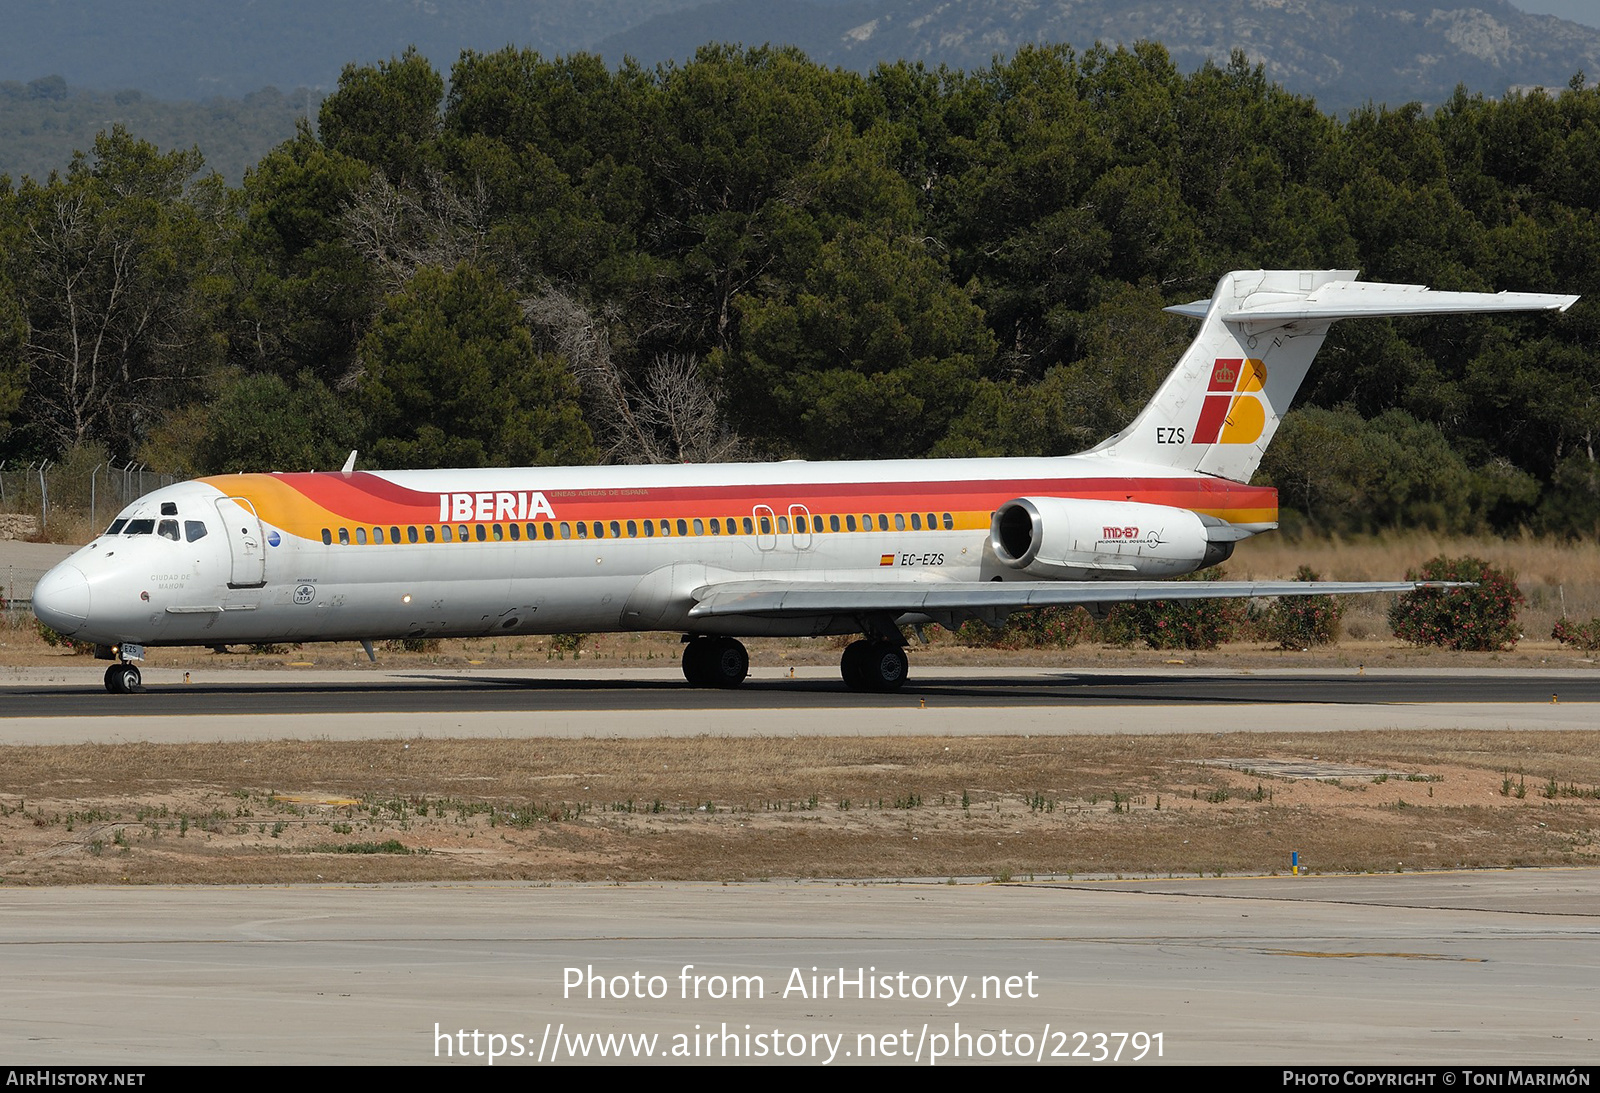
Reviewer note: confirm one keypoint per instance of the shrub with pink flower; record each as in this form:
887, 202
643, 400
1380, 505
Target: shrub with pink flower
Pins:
1481, 618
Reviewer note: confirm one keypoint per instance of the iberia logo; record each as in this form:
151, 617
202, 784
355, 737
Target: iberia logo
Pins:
1232, 411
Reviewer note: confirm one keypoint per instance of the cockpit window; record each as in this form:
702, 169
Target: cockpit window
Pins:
139, 527
168, 530
169, 508
116, 526
194, 529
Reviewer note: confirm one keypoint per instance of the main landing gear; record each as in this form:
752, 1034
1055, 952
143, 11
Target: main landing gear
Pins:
715, 662
123, 678
869, 665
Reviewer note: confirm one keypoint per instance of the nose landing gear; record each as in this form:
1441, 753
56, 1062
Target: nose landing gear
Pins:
123, 679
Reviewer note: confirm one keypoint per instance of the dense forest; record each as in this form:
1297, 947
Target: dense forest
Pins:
753, 256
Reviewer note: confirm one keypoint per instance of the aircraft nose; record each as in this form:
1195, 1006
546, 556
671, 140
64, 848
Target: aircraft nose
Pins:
61, 598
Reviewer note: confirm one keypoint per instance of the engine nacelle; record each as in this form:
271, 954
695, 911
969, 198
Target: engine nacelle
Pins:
1074, 539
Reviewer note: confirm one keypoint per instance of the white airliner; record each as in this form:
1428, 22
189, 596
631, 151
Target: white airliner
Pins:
722, 551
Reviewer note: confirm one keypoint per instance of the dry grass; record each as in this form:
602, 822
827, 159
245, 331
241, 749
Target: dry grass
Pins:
1551, 573
714, 808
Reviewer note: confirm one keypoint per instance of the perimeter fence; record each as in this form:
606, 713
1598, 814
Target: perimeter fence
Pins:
45, 502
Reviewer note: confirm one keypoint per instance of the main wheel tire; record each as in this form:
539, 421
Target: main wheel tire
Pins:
884, 667
873, 666
715, 662
852, 664
123, 679
694, 662
727, 663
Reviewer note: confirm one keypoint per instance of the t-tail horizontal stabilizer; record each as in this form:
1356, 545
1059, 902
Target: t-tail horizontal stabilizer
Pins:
1218, 409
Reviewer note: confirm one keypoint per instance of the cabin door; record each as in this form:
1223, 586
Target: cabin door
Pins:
245, 542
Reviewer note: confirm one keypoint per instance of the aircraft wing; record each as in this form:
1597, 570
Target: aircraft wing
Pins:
797, 599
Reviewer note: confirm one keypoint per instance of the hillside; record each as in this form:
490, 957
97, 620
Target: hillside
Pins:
1344, 52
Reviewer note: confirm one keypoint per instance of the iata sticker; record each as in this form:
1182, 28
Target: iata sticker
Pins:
305, 593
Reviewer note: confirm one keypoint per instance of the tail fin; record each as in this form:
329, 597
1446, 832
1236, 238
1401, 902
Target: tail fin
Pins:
1219, 407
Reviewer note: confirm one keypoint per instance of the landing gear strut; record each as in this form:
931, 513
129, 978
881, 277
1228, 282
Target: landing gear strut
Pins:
715, 662
123, 678
873, 666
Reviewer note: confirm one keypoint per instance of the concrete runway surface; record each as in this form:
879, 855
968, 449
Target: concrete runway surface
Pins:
1461, 969
70, 705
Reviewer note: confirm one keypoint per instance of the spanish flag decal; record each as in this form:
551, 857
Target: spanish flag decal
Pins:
887, 559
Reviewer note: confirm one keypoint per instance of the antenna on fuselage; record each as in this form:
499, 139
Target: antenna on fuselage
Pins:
349, 464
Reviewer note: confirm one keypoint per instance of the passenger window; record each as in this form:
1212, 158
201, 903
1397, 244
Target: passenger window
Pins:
833, 523
816, 523
446, 534
428, 533
749, 526
699, 526
516, 532
666, 528
633, 529
683, 527
616, 530
499, 533
583, 529
361, 536
168, 530
766, 525
883, 522
411, 533
327, 537
850, 523
866, 521
949, 524
462, 533
932, 523
394, 535
550, 531
377, 536
344, 536
479, 532
899, 521
196, 529
783, 524
566, 530
649, 529
716, 526
599, 529
916, 521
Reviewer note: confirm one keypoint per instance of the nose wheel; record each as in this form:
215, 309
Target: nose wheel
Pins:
123, 679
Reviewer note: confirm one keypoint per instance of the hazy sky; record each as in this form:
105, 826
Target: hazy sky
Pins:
1579, 11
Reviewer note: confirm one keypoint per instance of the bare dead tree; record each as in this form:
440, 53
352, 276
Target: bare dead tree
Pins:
583, 342
679, 412
400, 231
113, 317
668, 415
